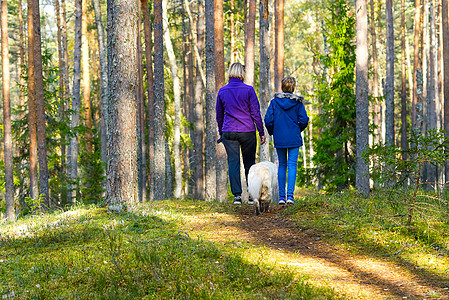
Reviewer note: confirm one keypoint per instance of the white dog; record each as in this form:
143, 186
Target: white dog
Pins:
263, 185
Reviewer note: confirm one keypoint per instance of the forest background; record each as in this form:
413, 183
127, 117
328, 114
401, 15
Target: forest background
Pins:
119, 106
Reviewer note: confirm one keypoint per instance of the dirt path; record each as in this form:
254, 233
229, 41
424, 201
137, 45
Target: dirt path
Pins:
358, 277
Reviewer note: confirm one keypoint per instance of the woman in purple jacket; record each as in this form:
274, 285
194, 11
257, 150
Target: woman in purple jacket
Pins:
237, 111
286, 118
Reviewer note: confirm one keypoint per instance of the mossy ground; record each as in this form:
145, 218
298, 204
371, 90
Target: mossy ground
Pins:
325, 247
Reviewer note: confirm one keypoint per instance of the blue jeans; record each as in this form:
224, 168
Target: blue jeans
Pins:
285, 163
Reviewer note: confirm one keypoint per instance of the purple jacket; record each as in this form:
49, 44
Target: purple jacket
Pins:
238, 108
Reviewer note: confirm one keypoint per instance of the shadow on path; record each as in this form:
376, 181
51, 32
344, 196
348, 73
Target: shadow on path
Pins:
383, 277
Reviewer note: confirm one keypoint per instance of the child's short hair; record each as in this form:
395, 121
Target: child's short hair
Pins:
236, 70
288, 84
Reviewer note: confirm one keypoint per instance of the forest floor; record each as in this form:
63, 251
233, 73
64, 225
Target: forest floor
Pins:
326, 263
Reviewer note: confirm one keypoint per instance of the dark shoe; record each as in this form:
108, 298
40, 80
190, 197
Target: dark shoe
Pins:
238, 200
290, 200
250, 200
281, 200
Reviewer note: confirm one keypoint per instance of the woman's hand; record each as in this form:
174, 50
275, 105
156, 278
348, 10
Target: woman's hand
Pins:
262, 139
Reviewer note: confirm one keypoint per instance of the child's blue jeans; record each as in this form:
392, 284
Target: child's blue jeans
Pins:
288, 159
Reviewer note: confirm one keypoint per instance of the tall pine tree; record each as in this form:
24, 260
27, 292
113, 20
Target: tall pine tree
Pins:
335, 148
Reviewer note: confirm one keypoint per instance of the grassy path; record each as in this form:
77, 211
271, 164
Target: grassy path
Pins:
207, 250
282, 244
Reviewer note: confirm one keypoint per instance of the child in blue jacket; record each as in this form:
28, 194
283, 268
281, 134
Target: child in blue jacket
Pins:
286, 118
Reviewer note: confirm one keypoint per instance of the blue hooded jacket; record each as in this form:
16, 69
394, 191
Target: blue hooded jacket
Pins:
286, 118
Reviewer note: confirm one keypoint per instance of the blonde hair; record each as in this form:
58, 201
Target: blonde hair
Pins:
288, 84
236, 70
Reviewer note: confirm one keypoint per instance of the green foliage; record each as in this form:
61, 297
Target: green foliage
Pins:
93, 171
38, 204
56, 129
394, 167
375, 226
335, 141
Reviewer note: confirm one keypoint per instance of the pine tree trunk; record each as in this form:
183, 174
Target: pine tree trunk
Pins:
250, 44
150, 92
65, 51
222, 167
232, 29
264, 71
159, 105
142, 162
361, 88
433, 89
40, 107
61, 64
199, 58
389, 80
8, 156
425, 40
198, 145
121, 175
67, 95
279, 44
416, 64
211, 124
34, 189
86, 78
103, 77
377, 106
168, 172
73, 169
445, 29
177, 104
190, 105
404, 143
21, 58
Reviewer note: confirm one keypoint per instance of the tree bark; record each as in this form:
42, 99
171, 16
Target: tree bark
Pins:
199, 57
21, 58
65, 51
40, 107
6, 81
34, 189
86, 77
142, 162
159, 105
177, 104
103, 78
389, 80
433, 88
279, 44
264, 71
150, 92
198, 145
250, 44
445, 12
73, 169
404, 143
211, 124
222, 168
232, 29
121, 175
361, 88
416, 64
61, 64
377, 105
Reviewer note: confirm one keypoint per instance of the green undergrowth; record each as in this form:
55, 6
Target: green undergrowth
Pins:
89, 253
377, 226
